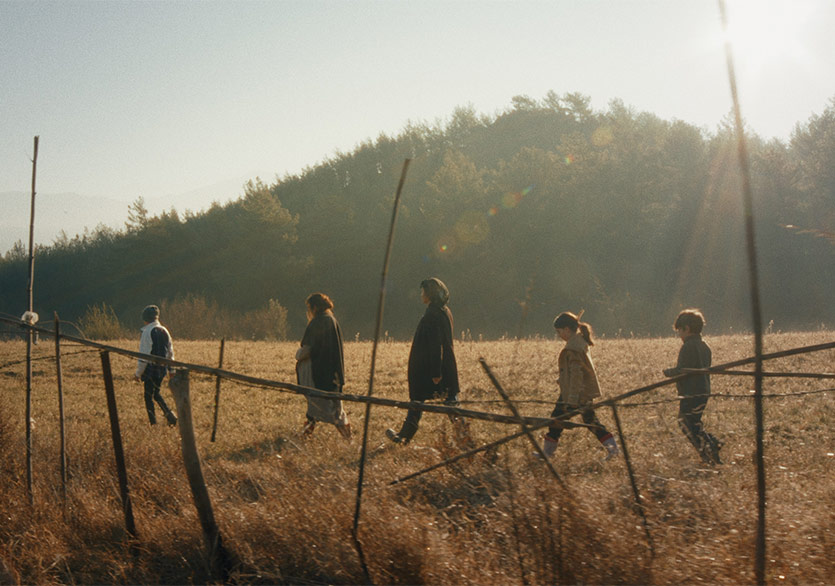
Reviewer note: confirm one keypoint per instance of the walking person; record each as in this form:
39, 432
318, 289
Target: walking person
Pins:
156, 341
320, 365
694, 390
432, 370
578, 384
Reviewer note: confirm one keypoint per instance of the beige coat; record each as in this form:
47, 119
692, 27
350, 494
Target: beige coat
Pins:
578, 380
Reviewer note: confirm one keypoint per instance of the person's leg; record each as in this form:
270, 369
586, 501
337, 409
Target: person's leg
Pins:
554, 431
601, 433
169, 415
150, 389
410, 425
690, 413
552, 436
408, 429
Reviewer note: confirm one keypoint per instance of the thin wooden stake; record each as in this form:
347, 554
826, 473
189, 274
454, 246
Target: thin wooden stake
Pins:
219, 558
116, 433
217, 390
525, 429
30, 335
380, 305
60, 377
756, 312
638, 501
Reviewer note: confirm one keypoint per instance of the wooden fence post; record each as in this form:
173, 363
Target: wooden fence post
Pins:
367, 419
60, 377
30, 335
116, 433
219, 560
217, 390
756, 310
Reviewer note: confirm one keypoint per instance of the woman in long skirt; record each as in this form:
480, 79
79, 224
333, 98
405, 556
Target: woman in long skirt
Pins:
320, 365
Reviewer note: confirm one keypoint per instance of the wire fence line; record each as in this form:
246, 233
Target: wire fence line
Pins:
431, 407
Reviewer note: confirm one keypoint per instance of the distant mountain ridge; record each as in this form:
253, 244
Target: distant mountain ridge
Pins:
73, 212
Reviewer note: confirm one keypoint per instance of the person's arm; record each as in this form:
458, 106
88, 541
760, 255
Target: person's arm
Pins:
303, 353
435, 345
145, 345
308, 342
683, 359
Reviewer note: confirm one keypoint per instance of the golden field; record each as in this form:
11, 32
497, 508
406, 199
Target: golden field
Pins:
285, 505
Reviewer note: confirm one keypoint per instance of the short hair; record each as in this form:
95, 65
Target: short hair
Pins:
150, 313
318, 303
691, 318
435, 290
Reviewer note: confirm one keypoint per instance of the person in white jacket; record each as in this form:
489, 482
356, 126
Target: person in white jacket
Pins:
155, 340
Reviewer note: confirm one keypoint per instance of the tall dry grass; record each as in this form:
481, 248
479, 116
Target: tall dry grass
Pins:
285, 505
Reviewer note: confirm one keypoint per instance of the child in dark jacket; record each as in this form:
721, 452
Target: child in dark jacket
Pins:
694, 390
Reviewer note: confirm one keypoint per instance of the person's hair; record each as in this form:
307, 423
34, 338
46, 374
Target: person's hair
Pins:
150, 313
568, 320
319, 303
435, 290
692, 318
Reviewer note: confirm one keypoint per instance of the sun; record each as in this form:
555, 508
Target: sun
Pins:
766, 32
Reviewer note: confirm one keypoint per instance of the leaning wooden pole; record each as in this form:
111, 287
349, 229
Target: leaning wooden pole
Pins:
635, 492
59, 375
217, 555
30, 334
118, 450
523, 426
217, 390
380, 305
756, 312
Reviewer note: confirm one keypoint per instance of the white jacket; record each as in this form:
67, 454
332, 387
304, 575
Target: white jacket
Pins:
145, 345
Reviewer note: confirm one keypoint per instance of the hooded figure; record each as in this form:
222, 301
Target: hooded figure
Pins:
432, 371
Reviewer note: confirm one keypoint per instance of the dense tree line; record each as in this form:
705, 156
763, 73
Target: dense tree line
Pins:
546, 206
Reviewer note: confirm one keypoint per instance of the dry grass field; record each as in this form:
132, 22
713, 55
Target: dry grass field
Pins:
285, 505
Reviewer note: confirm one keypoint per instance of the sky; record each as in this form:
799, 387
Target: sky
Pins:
155, 99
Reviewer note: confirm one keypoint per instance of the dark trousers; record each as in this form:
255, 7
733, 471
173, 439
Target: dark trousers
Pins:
152, 388
690, 411
413, 416
589, 418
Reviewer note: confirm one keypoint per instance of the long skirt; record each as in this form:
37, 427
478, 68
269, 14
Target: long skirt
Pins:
319, 408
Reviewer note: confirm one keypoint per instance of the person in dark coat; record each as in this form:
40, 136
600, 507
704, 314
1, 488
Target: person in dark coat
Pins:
320, 365
432, 371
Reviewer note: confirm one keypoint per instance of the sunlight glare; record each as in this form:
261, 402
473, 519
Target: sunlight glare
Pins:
763, 32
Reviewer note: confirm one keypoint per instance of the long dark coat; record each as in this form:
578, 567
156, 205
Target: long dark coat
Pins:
432, 356
324, 337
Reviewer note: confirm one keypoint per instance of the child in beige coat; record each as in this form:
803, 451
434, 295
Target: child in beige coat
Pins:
578, 384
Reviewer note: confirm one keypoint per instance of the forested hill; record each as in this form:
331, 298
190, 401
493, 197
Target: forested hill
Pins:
547, 206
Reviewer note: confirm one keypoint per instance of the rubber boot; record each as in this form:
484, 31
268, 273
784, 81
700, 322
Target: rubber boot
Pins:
612, 450
549, 446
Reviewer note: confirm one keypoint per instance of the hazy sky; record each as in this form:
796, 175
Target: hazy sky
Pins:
158, 98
